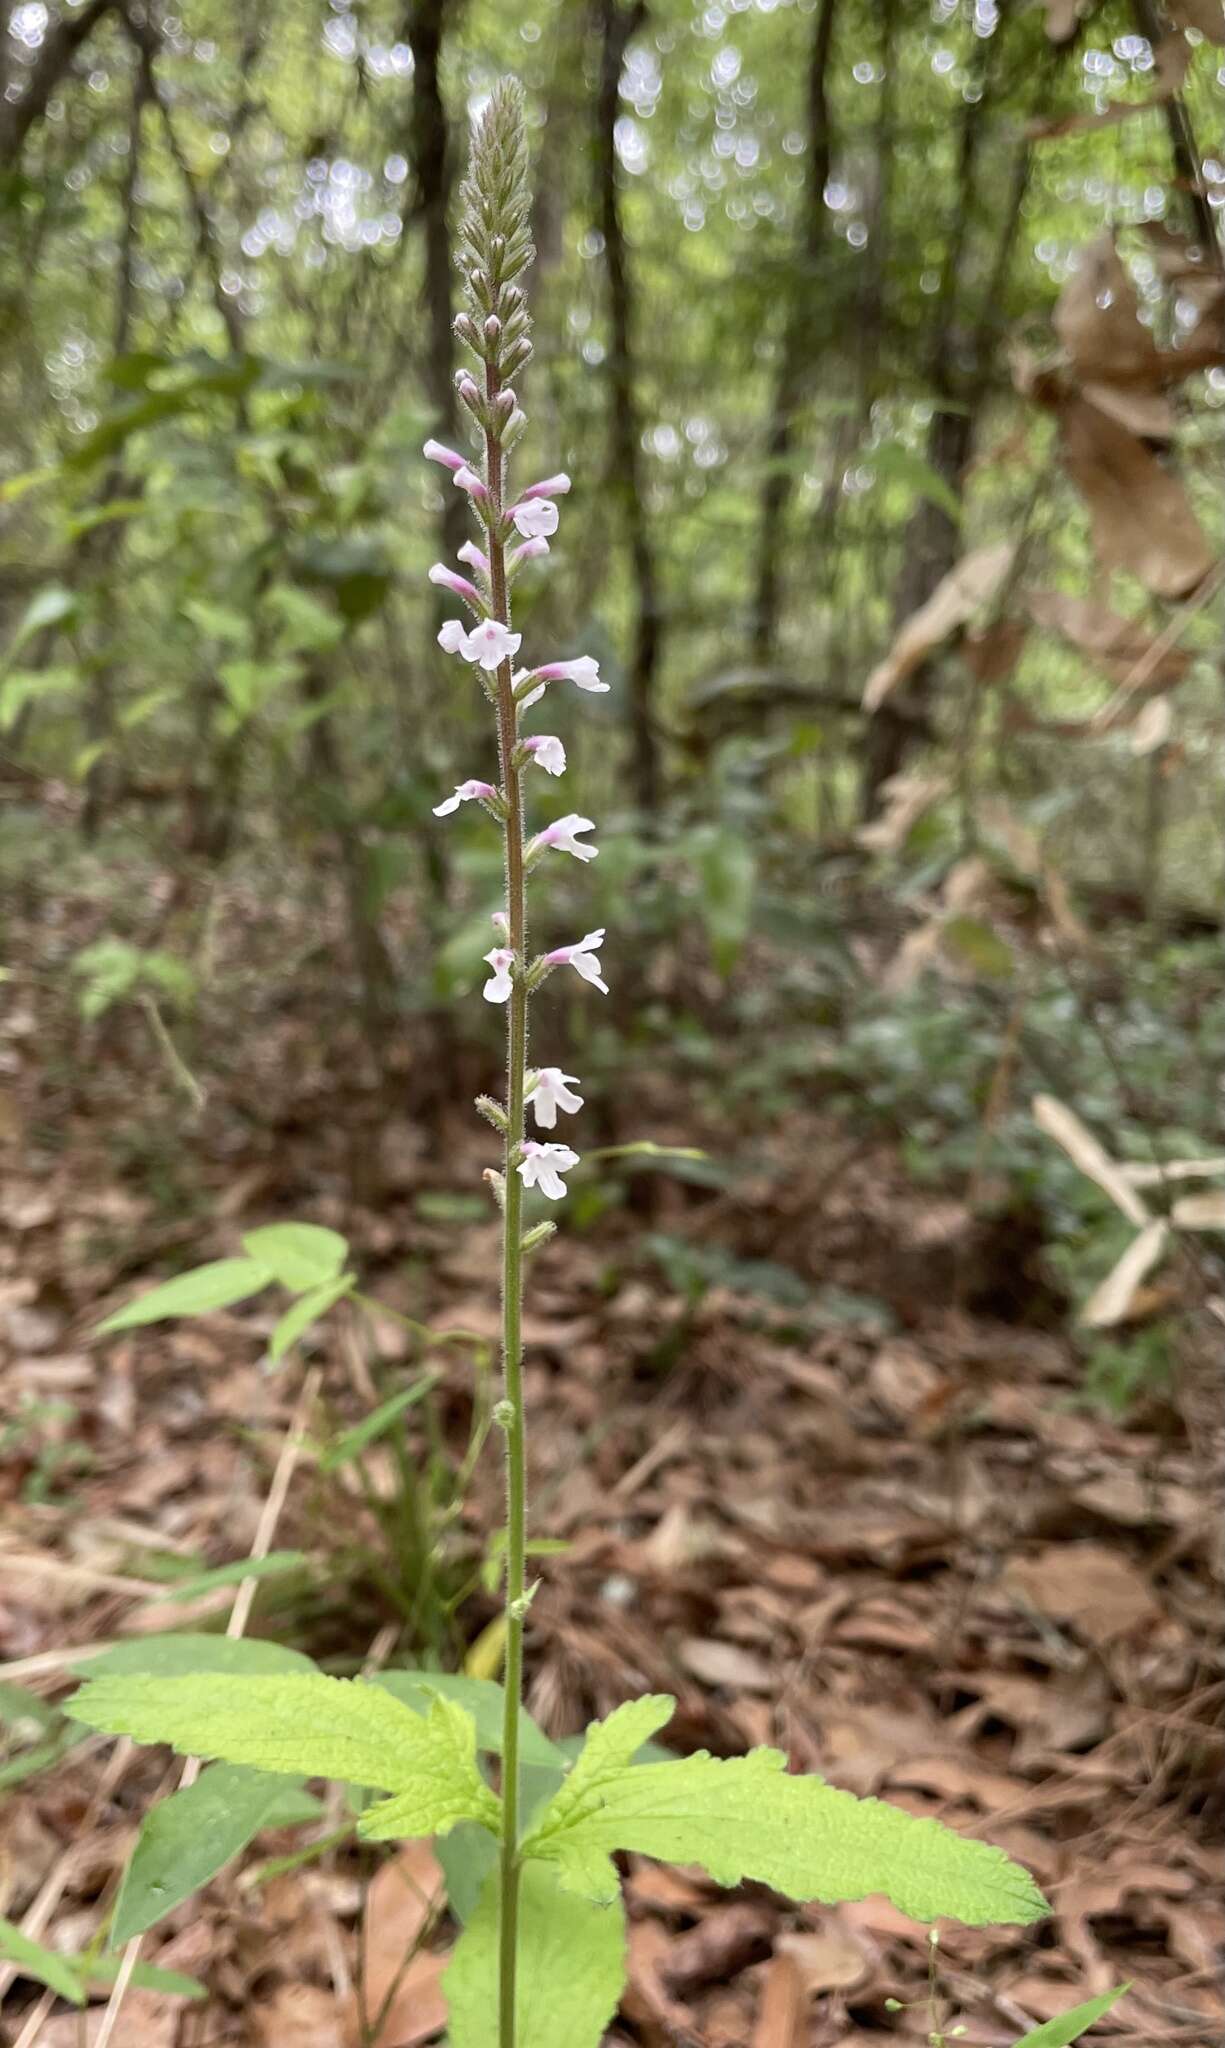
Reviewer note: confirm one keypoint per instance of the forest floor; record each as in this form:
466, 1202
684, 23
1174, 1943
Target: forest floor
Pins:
878, 1529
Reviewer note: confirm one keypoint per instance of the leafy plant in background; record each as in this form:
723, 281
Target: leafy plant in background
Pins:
540, 1962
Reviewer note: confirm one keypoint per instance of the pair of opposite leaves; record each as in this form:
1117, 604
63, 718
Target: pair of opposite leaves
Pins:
743, 1817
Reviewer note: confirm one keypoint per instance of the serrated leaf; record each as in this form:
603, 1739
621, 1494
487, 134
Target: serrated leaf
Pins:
748, 1818
43, 1964
313, 1727
570, 1975
181, 1655
484, 1700
218, 1285
1067, 2027
299, 1255
186, 1839
306, 1310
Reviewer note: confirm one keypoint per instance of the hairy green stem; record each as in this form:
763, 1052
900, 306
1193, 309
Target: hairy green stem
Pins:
512, 1264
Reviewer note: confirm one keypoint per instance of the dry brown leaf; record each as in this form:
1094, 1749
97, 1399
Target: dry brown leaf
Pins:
1089, 1587
1153, 726
1097, 318
1118, 645
993, 652
780, 2020
906, 797
300, 2016
1208, 16
1062, 19
724, 1942
1200, 1212
1142, 518
717, 1663
1115, 1300
972, 582
404, 1900
1065, 1127
830, 1961
1143, 1176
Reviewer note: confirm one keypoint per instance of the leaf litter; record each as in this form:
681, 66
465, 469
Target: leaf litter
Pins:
905, 1558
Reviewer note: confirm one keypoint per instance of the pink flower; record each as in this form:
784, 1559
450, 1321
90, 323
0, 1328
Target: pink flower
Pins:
468, 480
563, 835
535, 518
435, 451
542, 1166
549, 1092
451, 635
489, 644
584, 671
497, 988
528, 552
582, 957
547, 752
548, 487
471, 554
501, 924
465, 793
459, 586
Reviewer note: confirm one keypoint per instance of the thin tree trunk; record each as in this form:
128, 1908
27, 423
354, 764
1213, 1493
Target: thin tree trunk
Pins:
796, 350
429, 154
959, 368
59, 47
617, 26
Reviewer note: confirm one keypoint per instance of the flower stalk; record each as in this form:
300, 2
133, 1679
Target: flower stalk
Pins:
495, 249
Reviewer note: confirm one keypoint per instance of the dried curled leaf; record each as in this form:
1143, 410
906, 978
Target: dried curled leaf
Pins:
1115, 1299
972, 582
1065, 1127
1141, 516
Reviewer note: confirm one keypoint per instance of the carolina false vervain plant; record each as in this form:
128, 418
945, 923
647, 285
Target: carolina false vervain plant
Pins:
540, 1960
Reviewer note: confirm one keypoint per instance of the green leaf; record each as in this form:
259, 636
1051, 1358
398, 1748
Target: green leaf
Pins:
571, 1967
300, 1255
33, 1960
217, 1285
307, 1309
374, 1425
484, 1700
188, 1838
894, 462
22, 686
233, 1574
979, 946
52, 606
747, 1818
1069, 2026
144, 1977
182, 1655
312, 1727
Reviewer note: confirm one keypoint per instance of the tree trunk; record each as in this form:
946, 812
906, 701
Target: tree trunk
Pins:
429, 154
41, 79
796, 350
617, 26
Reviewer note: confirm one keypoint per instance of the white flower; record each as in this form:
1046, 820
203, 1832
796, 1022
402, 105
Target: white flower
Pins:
582, 957
542, 1166
549, 1092
489, 644
563, 835
451, 635
535, 518
497, 988
547, 752
500, 923
465, 793
584, 671
472, 555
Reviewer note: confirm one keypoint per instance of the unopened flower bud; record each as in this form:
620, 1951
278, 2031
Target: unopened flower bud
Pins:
492, 329
538, 1235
